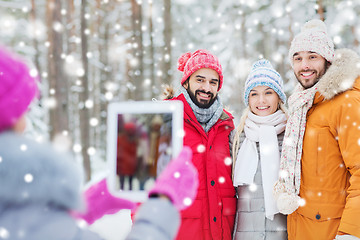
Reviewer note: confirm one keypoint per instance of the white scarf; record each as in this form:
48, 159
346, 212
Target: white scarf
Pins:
287, 188
262, 129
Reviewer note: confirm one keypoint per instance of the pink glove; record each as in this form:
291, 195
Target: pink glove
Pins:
179, 180
100, 202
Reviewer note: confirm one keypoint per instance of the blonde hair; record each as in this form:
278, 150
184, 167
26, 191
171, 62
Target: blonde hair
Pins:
240, 128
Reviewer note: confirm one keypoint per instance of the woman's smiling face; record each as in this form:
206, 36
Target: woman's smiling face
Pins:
263, 101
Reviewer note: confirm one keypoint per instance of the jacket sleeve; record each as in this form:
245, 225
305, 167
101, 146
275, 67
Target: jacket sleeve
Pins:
156, 219
349, 143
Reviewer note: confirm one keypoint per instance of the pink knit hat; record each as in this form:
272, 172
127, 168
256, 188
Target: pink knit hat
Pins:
190, 63
313, 37
17, 88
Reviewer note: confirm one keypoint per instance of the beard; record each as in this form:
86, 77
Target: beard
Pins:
201, 104
318, 76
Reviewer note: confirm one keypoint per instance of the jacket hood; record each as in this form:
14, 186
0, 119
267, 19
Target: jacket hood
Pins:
341, 74
31, 172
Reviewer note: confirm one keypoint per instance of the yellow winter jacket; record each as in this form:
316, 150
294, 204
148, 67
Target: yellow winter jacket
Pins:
330, 163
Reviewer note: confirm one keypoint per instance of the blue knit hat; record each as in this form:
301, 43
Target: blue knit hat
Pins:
263, 74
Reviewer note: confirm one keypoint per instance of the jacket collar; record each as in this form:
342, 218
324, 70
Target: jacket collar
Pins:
341, 75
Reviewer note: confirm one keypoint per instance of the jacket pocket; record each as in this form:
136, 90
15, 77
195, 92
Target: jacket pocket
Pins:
229, 211
196, 214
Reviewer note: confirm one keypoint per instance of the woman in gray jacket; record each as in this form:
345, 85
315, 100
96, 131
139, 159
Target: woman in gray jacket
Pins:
256, 155
40, 186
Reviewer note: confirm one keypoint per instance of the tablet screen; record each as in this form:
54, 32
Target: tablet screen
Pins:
145, 137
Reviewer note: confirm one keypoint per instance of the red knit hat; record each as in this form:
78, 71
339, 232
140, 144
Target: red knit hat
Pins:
17, 88
190, 63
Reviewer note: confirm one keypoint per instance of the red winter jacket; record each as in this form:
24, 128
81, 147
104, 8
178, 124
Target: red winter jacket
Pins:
212, 214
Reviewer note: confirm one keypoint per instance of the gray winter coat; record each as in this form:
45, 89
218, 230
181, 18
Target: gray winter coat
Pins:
250, 222
38, 186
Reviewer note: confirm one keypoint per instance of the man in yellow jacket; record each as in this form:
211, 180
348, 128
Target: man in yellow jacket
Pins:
319, 185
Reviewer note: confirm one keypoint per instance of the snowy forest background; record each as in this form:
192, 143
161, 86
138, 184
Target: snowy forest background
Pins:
90, 53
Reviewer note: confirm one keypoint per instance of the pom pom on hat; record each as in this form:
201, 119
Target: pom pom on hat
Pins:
191, 62
263, 74
313, 37
314, 24
17, 88
183, 60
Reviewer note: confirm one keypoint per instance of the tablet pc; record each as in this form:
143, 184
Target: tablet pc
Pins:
142, 137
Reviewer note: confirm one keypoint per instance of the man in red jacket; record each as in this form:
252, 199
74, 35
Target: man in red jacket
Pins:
207, 128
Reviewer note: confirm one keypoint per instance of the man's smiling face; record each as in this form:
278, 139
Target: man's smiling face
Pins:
309, 67
203, 86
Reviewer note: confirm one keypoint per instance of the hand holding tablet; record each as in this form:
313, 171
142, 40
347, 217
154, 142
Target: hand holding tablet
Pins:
142, 138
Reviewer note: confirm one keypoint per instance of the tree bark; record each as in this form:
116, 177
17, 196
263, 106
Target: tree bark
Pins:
84, 95
321, 10
155, 83
35, 41
138, 51
57, 80
167, 76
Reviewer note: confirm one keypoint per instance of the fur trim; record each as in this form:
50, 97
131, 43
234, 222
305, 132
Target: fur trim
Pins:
168, 93
31, 172
341, 74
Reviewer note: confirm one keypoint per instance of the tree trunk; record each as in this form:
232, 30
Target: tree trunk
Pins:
138, 51
167, 76
58, 82
71, 48
321, 10
103, 29
35, 41
155, 83
84, 96
243, 35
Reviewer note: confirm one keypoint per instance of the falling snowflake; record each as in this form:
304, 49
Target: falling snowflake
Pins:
77, 148
49, 103
283, 174
61, 142
252, 187
23, 147
94, 122
302, 202
80, 72
91, 151
187, 201
33, 72
89, 104
337, 39
177, 175
28, 178
228, 161
4, 233
58, 27
0, 159
221, 180
201, 148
